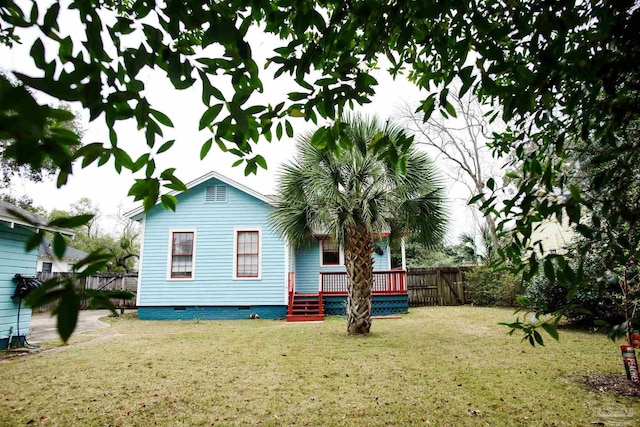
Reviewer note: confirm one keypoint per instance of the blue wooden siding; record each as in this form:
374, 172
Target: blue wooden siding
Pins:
308, 268
214, 224
14, 260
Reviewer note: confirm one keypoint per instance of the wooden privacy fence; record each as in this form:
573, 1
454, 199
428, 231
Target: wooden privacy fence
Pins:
436, 286
105, 282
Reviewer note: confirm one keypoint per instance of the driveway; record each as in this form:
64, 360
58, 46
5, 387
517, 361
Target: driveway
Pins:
43, 326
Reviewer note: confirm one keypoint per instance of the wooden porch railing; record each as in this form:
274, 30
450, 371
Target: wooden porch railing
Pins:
384, 282
292, 277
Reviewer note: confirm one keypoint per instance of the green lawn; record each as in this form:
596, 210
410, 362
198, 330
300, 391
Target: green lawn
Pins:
436, 366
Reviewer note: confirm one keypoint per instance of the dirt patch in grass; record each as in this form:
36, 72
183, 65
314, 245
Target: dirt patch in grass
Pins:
618, 384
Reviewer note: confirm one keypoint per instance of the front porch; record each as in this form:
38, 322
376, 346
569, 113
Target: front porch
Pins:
389, 294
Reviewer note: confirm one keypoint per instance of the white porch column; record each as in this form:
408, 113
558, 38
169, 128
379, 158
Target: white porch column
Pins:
404, 254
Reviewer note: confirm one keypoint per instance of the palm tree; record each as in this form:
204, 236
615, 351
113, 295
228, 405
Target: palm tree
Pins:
468, 251
354, 194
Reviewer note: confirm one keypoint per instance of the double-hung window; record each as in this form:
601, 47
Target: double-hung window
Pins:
181, 264
247, 254
329, 252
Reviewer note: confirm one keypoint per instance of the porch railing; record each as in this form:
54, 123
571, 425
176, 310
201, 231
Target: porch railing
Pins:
384, 282
292, 277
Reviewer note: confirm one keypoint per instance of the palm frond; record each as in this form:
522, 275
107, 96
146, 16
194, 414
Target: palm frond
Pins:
332, 191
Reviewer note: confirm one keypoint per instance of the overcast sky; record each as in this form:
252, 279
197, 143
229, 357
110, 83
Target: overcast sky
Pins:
109, 190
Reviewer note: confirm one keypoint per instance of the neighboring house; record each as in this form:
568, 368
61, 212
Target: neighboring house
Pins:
216, 257
48, 263
552, 237
16, 227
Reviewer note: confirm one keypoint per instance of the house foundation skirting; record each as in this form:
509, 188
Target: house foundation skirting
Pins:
16, 341
212, 312
382, 305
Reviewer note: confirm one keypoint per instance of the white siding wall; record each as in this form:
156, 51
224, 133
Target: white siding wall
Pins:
554, 236
58, 266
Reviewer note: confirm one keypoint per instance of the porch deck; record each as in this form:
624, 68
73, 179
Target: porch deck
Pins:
389, 293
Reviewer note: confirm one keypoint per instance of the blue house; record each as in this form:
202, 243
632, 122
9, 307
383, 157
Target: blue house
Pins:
16, 227
216, 257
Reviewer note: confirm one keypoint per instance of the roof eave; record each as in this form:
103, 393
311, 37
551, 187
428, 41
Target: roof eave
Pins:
13, 221
137, 213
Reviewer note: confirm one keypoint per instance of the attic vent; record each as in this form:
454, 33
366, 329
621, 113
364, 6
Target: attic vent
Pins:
216, 193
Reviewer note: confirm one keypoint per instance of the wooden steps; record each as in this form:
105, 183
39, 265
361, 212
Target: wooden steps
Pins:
305, 308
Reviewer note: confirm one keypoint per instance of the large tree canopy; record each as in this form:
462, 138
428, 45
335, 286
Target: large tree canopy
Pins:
558, 70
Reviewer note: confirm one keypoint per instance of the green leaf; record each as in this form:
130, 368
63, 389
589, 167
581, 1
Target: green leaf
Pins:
428, 106
538, 338
94, 257
46, 293
319, 138
523, 301
71, 221
491, 184
34, 241
549, 270
289, 128
167, 145
450, 109
58, 245
168, 201
552, 330
296, 112
67, 312
161, 117
205, 148
122, 157
51, 17
261, 161
475, 198
209, 116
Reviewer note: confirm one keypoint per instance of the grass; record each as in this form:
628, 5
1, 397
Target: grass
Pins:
444, 366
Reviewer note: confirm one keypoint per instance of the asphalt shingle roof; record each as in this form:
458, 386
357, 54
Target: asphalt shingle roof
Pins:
45, 250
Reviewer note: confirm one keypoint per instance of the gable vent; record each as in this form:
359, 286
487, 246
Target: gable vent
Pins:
216, 193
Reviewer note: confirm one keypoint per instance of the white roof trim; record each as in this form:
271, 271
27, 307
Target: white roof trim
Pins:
13, 222
137, 213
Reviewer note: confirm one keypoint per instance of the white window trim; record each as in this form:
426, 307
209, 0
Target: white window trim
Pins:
235, 253
193, 255
340, 256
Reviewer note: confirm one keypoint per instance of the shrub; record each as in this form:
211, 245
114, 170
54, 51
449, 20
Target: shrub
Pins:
483, 286
596, 301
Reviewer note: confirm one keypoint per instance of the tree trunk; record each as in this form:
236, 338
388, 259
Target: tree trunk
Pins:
359, 263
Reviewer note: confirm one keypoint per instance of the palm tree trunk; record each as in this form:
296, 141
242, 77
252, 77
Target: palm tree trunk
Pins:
359, 263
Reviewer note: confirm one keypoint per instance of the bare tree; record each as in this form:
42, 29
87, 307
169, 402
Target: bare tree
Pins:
461, 140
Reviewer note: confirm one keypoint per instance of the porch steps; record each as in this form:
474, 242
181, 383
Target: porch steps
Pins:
305, 308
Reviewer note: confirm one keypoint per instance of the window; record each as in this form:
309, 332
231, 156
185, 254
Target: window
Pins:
247, 254
330, 252
182, 248
47, 267
216, 193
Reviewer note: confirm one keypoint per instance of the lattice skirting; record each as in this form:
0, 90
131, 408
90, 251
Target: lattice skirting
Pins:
382, 305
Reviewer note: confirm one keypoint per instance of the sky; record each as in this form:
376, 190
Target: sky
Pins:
109, 189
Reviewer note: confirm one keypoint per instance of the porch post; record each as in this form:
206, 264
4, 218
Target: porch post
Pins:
404, 254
